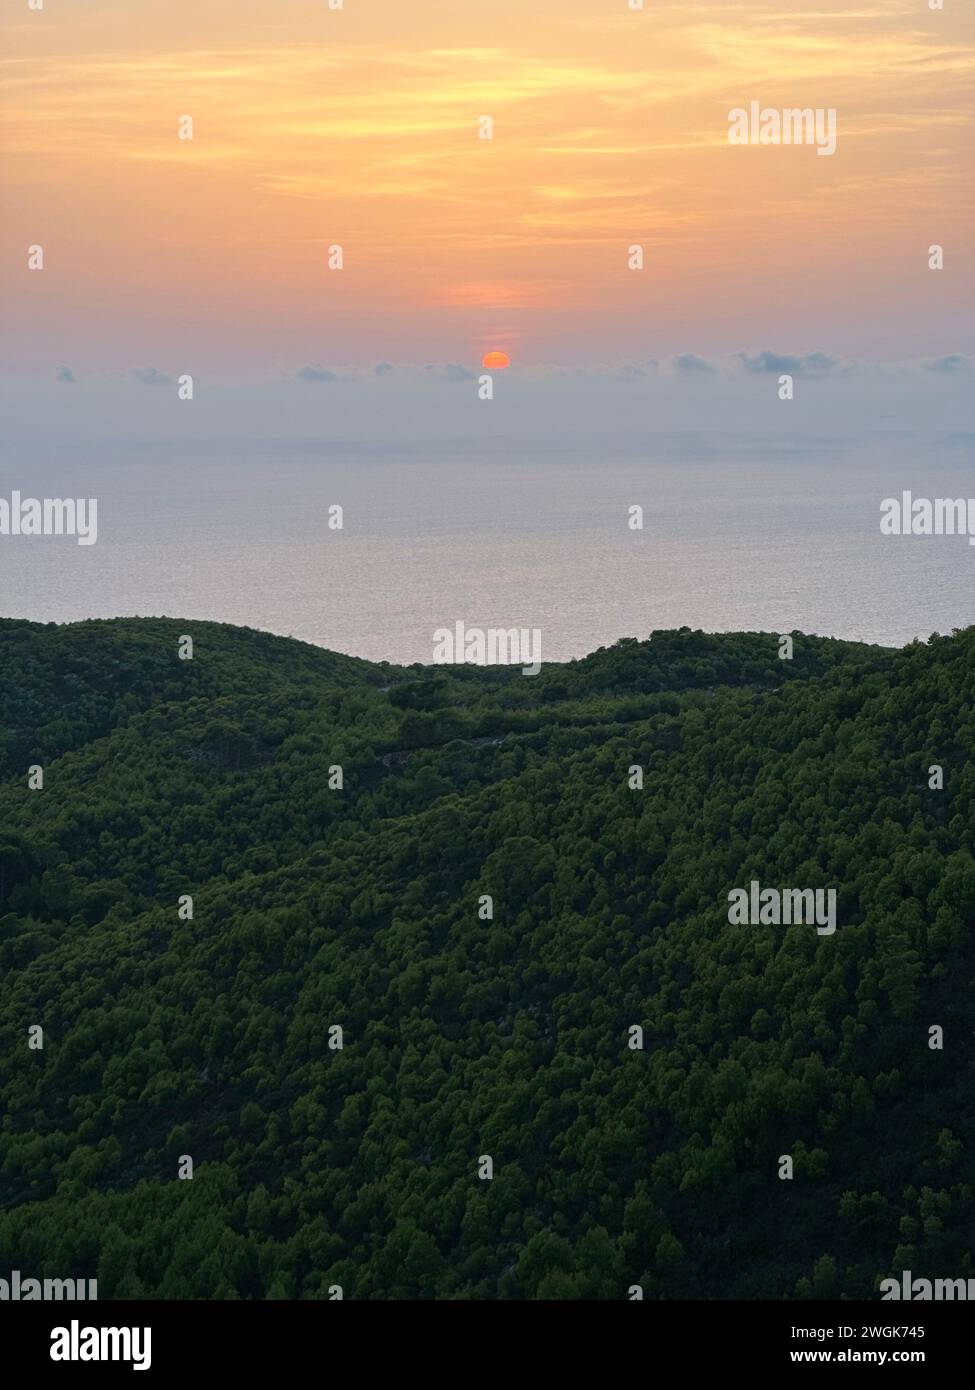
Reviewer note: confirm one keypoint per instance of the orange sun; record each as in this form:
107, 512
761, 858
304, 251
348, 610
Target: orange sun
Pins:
495, 359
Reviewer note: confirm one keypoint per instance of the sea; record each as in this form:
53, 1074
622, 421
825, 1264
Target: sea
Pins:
762, 534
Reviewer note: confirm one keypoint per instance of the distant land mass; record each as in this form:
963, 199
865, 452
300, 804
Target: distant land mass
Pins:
419, 982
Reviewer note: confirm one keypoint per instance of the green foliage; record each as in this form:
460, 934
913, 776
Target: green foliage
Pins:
315, 906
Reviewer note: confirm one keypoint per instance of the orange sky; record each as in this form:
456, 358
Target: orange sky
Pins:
359, 127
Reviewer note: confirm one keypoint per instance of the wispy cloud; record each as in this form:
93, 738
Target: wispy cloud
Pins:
610, 128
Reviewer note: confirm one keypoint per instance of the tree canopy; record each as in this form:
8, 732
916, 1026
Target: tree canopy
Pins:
360, 907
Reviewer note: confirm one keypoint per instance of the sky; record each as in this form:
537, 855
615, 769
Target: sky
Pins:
359, 127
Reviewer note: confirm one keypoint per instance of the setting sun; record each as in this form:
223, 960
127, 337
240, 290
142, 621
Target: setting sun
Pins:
495, 360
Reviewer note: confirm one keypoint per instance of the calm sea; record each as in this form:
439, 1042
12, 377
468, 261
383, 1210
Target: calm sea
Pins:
750, 536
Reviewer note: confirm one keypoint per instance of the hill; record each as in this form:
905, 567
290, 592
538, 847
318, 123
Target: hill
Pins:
359, 906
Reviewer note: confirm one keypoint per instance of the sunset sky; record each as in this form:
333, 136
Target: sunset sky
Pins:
359, 127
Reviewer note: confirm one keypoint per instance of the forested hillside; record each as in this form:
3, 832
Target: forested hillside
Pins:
318, 906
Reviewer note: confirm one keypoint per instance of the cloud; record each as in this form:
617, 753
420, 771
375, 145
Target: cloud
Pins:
66, 374
690, 362
623, 371
383, 368
797, 364
315, 372
552, 403
151, 376
953, 362
451, 371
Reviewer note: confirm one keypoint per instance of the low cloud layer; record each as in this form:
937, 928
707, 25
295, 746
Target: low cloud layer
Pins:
794, 364
690, 362
954, 362
316, 373
402, 404
151, 376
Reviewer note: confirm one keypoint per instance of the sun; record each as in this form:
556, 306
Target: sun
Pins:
496, 360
